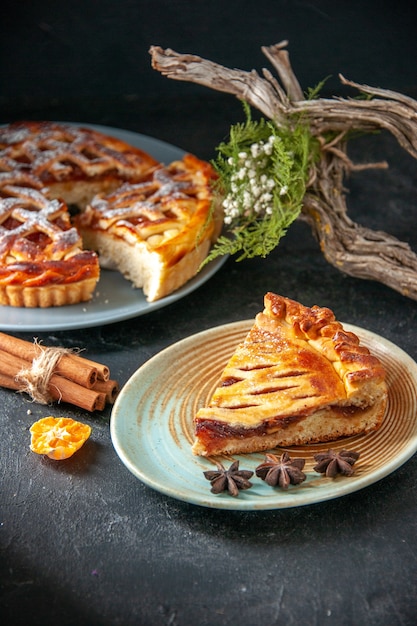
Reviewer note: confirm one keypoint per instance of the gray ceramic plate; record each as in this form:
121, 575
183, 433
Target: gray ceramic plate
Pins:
152, 432
115, 299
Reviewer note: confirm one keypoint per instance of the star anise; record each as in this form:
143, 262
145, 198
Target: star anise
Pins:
232, 480
281, 471
332, 463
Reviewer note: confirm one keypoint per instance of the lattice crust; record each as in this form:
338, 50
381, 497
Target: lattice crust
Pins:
35, 228
45, 166
171, 204
19, 178
359, 371
296, 363
39, 248
156, 226
164, 220
296, 359
59, 152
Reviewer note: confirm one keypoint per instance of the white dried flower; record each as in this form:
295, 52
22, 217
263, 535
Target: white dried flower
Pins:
251, 184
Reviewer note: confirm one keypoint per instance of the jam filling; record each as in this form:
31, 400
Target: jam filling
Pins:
208, 430
79, 267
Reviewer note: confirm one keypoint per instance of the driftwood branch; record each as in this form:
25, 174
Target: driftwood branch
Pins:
355, 250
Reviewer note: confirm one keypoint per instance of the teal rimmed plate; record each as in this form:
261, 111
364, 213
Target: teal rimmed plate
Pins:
152, 426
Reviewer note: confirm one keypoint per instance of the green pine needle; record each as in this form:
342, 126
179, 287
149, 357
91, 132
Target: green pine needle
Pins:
263, 170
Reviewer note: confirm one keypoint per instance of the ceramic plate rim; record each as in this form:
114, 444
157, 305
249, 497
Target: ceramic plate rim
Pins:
206, 499
100, 310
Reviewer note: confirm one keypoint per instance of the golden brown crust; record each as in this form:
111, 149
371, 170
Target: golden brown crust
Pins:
157, 232
42, 163
42, 262
45, 166
298, 378
46, 296
56, 153
354, 363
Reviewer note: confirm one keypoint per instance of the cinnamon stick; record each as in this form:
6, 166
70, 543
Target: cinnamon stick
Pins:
65, 390
109, 387
81, 371
8, 382
103, 372
61, 389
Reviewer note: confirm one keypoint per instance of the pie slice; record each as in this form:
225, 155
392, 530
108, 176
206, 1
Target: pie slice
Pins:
42, 261
298, 378
156, 232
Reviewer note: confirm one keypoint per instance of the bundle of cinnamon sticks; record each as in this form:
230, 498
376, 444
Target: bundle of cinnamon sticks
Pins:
74, 379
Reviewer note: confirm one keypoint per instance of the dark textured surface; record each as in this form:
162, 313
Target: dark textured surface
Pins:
83, 542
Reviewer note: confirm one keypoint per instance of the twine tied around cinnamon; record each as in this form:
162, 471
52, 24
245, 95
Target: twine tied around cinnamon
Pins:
36, 379
55, 373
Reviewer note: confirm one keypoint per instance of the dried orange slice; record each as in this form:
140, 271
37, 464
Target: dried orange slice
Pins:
58, 437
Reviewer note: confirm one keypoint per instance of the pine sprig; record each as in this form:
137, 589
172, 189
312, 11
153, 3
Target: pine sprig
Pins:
263, 170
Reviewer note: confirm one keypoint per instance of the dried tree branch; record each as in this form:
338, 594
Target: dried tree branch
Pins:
353, 249
356, 250
280, 59
248, 86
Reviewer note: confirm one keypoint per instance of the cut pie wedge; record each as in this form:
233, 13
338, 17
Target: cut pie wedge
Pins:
298, 378
157, 232
153, 223
42, 260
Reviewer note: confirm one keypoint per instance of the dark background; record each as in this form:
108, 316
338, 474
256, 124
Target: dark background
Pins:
85, 543
88, 60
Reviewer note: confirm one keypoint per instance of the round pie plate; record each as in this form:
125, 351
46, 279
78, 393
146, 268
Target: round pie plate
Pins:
114, 299
152, 426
